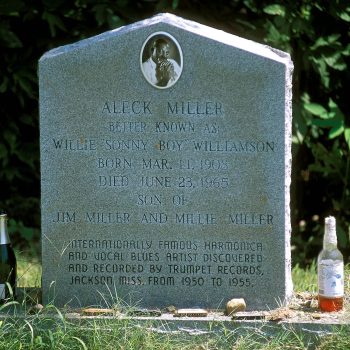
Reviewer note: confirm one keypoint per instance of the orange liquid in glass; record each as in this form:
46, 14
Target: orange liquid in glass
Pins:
330, 304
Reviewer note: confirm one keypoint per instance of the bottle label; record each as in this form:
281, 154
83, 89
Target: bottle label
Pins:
2, 291
331, 280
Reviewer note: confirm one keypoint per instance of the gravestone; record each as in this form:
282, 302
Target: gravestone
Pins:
165, 168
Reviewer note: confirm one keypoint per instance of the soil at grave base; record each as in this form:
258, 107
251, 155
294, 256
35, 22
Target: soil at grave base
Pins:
304, 308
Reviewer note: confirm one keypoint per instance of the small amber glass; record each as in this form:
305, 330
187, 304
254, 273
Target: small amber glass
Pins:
330, 304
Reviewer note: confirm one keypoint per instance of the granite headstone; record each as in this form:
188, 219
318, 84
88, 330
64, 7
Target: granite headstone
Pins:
165, 168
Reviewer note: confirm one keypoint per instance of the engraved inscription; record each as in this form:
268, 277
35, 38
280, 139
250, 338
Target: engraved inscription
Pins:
127, 107
175, 263
208, 108
153, 170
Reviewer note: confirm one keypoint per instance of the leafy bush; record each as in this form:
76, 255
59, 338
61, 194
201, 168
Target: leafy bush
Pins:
315, 33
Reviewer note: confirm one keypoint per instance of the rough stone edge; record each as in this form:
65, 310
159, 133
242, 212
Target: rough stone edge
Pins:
288, 175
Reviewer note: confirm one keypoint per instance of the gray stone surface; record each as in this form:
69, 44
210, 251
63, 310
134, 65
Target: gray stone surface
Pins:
168, 194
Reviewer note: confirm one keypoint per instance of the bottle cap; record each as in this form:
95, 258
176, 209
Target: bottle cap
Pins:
330, 235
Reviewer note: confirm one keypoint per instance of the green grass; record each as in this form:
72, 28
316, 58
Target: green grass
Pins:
49, 329
49, 332
305, 280
53, 331
28, 270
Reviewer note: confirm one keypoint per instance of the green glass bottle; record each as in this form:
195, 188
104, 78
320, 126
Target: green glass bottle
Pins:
8, 265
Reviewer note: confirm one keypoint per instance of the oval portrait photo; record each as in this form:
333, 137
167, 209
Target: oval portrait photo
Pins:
161, 60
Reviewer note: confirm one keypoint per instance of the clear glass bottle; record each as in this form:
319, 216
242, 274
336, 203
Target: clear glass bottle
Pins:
8, 265
330, 269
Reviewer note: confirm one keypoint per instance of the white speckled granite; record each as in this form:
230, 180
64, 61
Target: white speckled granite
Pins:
166, 193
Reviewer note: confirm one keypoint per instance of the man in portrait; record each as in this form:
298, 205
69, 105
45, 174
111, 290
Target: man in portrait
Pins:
159, 69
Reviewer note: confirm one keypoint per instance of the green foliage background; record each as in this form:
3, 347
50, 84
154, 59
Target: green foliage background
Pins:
315, 33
